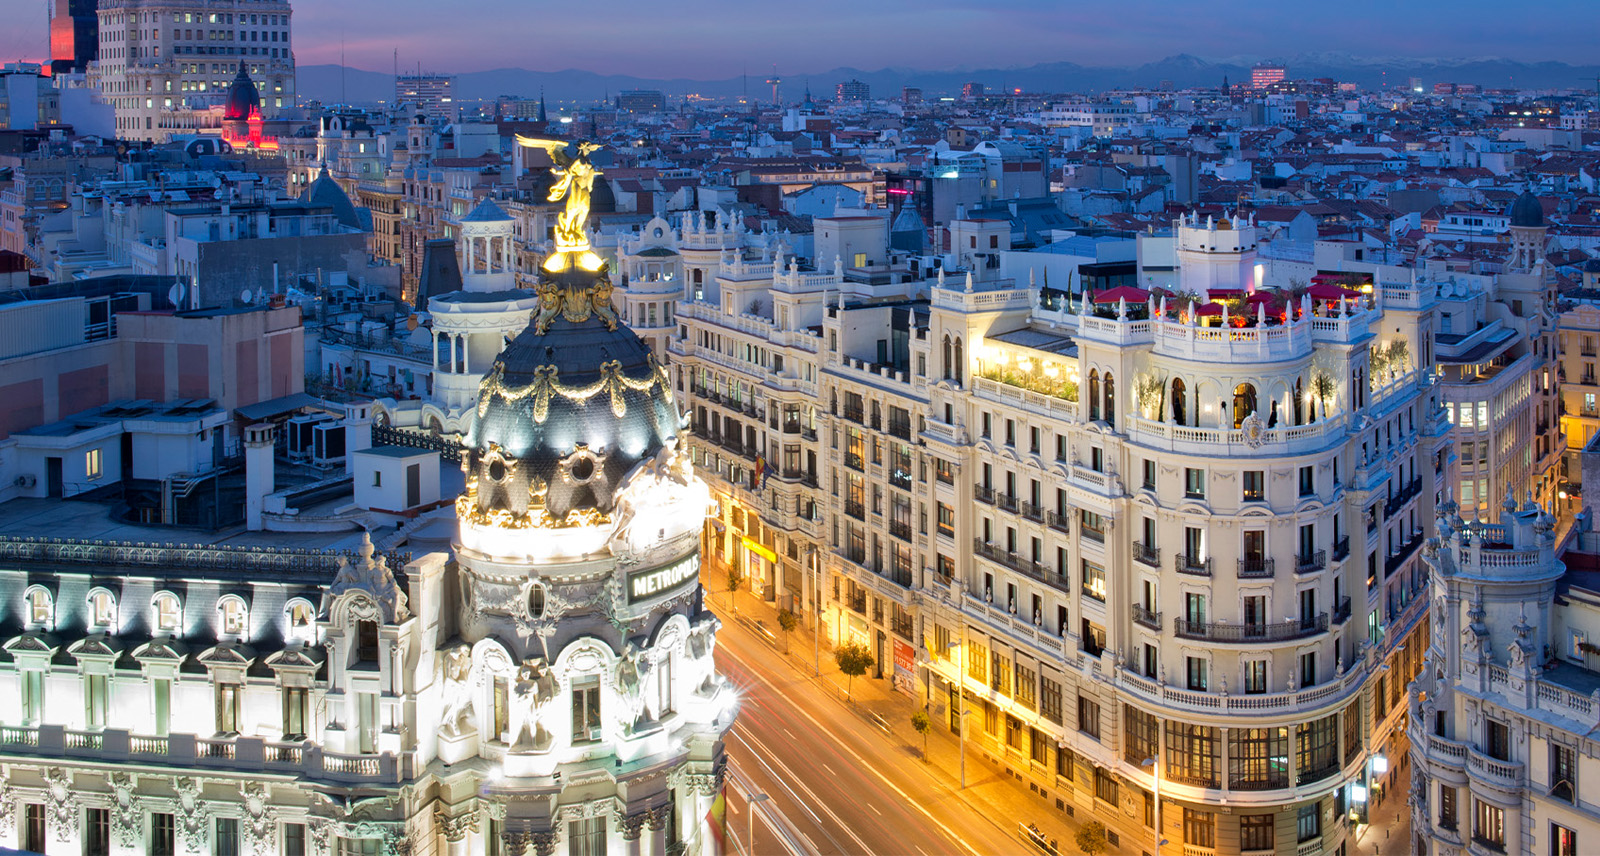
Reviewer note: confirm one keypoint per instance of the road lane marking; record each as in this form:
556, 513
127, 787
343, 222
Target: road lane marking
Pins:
904, 797
754, 744
830, 770
875, 809
791, 734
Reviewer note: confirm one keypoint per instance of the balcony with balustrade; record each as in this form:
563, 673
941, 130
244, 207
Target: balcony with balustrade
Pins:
1184, 563
1223, 632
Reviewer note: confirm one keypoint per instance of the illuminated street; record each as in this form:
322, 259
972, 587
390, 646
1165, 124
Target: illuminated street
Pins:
797, 742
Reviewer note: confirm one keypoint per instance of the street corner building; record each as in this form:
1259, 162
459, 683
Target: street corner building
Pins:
547, 688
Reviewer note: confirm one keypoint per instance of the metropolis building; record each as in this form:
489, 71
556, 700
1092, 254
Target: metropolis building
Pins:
547, 687
1136, 543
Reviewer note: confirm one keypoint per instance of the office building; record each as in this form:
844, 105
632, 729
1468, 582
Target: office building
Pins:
73, 35
431, 94
167, 67
852, 90
1265, 74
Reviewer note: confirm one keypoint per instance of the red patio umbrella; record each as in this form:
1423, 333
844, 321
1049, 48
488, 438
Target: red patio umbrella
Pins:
1209, 309
1122, 292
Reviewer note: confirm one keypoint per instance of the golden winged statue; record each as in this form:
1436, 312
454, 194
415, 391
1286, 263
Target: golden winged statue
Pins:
574, 181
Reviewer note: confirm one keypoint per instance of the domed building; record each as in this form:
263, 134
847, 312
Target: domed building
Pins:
584, 646
242, 123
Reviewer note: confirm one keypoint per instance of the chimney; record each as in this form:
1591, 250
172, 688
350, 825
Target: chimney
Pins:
259, 477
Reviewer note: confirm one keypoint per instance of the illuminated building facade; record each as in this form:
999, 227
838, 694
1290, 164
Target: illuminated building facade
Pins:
1503, 715
546, 688
1105, 531
1265, 74
430, 94
166, 65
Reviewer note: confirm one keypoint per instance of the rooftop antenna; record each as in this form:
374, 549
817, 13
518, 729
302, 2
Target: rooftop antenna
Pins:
342, 97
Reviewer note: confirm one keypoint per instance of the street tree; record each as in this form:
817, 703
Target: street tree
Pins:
1091, 838
787, 622
923, 725
854, 660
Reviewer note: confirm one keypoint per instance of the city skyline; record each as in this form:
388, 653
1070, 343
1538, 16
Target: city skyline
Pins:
725, 38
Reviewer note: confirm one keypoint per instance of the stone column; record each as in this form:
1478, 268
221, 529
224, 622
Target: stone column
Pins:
656, 819
632, 826
466, 353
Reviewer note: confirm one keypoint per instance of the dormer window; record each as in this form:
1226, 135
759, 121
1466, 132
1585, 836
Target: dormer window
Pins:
234, 616
102, 610
40, 607
168, 612
301, 620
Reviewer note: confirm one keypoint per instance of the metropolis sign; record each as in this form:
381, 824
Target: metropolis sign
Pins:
658, 581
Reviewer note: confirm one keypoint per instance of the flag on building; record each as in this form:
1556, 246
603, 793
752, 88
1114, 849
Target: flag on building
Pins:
758, 477
717, 820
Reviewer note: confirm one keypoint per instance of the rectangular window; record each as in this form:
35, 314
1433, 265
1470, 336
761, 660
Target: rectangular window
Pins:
1447, 807
164, 837
587, 837
1308, 824
97, 832
1143, 735
1195, 668
1105, 785
1149, 474
1308, 481
1191, 756
228, 697
977, 661
32, 696
1316, 749
1094, 581
1255, 485
1199, 828
1563, 841
1256, 832
1066, 764
586, 709
1563, 772
1258, 758
294, 839
1089, 717
1255, 676
95, 701
33, 827
1027, 686
1497, 740
1194, 482
1488, 825
227, 843
294, 713
91, 464
1050, 700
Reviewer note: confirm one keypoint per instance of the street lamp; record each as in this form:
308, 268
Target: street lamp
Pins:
750, 822
961, 693
1155, 770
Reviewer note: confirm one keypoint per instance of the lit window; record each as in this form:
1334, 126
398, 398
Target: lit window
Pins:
168, 612
301, 620
102, 609
233, 616
91, 464
39, 607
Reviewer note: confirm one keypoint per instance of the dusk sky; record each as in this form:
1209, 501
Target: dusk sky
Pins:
714, 39
710, 39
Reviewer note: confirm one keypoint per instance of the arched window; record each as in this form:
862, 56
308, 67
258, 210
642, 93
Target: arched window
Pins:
235, 615
960, 367
1244, 403
1094, 394
41, 606
300, 620
168, 612
1299, 404
102, 609
1180, 402
1111, 399
945, 366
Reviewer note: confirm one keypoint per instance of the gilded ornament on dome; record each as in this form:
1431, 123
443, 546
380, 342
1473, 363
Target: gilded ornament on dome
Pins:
546, 383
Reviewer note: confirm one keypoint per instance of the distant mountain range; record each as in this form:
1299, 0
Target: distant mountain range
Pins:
333, 83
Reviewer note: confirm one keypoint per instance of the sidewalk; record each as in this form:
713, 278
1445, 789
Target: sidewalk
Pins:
992, 791
1389, 834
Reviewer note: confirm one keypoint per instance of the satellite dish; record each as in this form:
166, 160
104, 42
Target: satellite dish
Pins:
175, 295
244, 296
